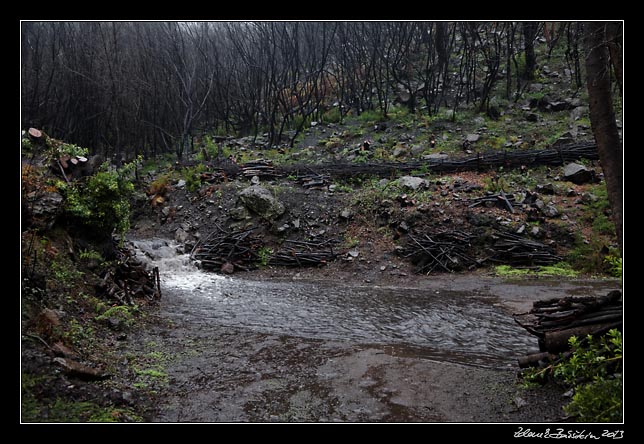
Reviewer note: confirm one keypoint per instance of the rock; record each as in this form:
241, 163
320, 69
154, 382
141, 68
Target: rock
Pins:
181, 183
296, 223
436, 156
588, 198
548, 189
353, 253
399, 151
383, 183
44, 208
239, 214
228, 268
165, 211
521, 229
550, 211
346, 214
570, 192
578, 113
254, 180
412, 183
565, 139
532, 117
472, 138
262, 202
520, 402
403, 227
181, 236
577, 174
417, 149
535, 231
332, 187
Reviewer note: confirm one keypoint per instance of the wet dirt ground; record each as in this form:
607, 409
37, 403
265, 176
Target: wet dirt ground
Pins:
227, 362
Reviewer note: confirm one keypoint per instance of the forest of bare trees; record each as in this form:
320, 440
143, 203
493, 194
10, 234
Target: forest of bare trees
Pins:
130, 88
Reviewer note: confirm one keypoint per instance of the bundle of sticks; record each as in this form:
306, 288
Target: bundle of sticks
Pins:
446, 251
222, 250
513, 249
260, 168
304, 254
130, 279
554, 321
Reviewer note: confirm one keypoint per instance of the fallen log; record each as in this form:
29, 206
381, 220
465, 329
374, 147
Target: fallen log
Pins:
555, 321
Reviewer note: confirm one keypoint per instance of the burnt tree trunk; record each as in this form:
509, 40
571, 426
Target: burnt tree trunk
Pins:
602, 119
529, 33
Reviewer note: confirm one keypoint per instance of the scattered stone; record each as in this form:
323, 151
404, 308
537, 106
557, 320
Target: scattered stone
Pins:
565, 139
254, 180
550, 211
346, 214
472, 138
520, 402
181, 183
332, 187
569, 393
535, 231
578, 174
181, 236
570, 192
296, 223
228, 268
261, 201
578, 113
383, 183
412, 183
383, 268
399, 152
548, 189
521, 229
417, 149
532, 117
436, 156
239, 214
353, 253
587, 198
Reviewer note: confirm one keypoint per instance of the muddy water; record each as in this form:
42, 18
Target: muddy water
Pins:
450, 325
295, 351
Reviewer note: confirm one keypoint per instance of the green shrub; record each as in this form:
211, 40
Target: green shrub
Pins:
102, 202
333, 115
594, 371
615, 264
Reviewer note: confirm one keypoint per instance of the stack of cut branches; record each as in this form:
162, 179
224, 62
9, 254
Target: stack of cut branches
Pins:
446, 251
313, 180
304, 254
129, 279
554, 321
228, 251
499, 199
260, 168
512, 249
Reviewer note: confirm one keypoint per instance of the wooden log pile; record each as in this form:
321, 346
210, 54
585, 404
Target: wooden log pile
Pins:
554, 321
130, 279
260, 168
445, 251
228, 251
513, 249
304, 254
314, 180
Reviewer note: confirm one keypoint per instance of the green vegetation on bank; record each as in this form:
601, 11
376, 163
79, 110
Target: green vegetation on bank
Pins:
594, 372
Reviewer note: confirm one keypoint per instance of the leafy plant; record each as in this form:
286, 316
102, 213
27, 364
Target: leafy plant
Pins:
192, 176
264, 254
102, 202
615, 264
594, 371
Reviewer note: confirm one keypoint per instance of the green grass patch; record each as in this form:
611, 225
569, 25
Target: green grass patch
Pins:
561, 269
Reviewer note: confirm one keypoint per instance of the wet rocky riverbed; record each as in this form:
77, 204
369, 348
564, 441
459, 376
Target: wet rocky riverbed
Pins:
284, 350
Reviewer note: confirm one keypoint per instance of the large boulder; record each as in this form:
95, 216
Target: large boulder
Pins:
262, 202
412, 183
577, 173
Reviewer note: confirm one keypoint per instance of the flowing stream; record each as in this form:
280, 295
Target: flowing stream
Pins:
457, 326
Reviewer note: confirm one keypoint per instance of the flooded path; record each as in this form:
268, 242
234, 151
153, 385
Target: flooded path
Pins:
245, 350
